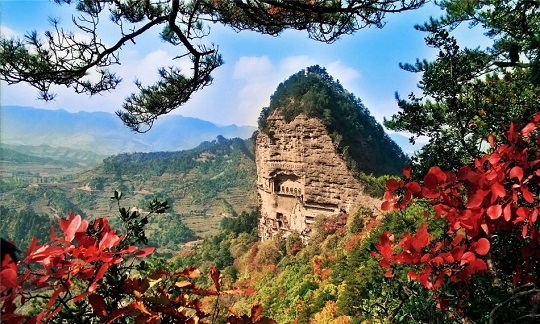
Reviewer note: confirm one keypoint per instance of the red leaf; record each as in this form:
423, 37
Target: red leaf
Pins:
81, 296
482, 246
528, 129
534, 216
385, 244
494, 211
467, 257
109, 240
8, 279
54, 312
413, 187
407, 171
425, 258
32, 246
475, 200
392, 185
527, 194
421, 238
516, 172
472, 176
511, 133
457, 239
491, 140
54, 296
430, 181
507, 212
494, 158
216, 276
477, 265
145, 252
522, 214
52, 235
98, 277
70, 226
498, 190
386, 206
384, 263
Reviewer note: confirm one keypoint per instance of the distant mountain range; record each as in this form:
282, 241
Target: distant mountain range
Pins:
104, 133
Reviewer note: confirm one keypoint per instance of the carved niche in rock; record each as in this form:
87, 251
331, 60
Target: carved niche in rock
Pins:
301, 177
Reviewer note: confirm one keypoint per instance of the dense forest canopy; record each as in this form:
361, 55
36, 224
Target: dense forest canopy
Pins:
314, 93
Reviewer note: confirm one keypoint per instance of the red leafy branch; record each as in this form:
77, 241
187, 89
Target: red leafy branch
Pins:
493, 201
84, 273
60, 267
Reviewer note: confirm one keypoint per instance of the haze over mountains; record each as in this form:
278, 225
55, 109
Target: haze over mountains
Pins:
104, 133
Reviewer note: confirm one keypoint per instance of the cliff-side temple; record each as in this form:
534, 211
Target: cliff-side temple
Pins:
300, 177
311, 137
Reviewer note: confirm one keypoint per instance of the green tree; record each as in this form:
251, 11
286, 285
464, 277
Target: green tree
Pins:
61, 58
466, 94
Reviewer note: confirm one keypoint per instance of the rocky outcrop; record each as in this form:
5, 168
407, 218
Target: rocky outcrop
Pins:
301, 177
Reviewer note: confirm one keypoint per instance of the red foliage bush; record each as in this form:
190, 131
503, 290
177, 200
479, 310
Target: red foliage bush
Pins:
86, 275
491, 209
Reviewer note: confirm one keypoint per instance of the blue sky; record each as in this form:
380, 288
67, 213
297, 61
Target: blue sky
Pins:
366, 64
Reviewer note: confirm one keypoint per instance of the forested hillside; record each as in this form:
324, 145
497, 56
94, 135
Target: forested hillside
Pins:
201, 185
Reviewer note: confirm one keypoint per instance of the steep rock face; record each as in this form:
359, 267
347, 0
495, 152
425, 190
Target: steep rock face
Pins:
301, 177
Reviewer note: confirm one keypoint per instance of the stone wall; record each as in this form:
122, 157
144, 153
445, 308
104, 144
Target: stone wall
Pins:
301, 177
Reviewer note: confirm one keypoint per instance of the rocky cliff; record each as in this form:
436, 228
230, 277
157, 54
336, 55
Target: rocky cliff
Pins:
313, 140
300, 177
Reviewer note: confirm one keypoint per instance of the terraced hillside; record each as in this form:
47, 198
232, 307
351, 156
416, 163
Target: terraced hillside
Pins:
203, 185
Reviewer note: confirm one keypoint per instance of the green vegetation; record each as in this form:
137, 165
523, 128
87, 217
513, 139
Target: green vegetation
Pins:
358, 137
9, 155
45, 154
214, 178
201, 185
453, 248
169, 232
21, 225
467, 94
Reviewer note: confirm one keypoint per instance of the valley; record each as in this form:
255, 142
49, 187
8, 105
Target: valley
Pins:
202, 185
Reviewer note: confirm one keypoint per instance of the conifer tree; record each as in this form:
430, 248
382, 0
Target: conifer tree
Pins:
59, 57
467, 94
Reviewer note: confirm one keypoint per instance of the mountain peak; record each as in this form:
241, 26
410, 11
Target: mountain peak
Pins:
358, 137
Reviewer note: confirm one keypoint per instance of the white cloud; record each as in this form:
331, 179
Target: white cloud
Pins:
252, 67
293, 64
7, 32
346, 75
146, 69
